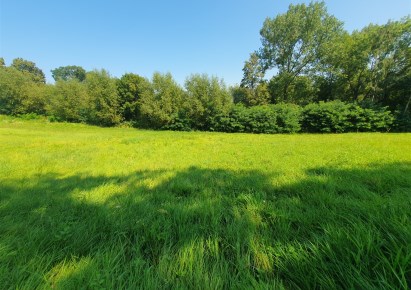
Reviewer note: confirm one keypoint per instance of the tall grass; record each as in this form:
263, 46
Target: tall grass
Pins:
87, 207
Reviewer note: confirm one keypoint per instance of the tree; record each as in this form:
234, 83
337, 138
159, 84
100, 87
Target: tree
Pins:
103, 106
69, 101
160, 105
252, 72
372, 64
2, 62
389, 62
130, 88
19, 94
301, 91
69, 72
295, 42
249, 97
29, 68
12, 90
207, 97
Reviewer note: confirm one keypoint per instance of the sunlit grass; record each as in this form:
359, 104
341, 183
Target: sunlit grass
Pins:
117, 208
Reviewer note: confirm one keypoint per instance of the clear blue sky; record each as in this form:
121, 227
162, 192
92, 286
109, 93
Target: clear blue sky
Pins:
180, 36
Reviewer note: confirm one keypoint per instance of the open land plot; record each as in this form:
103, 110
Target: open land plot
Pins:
117, 208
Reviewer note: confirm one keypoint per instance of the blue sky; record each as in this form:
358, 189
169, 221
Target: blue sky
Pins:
180, 36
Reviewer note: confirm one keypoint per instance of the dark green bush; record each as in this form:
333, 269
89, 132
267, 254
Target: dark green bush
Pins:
376, 119
269, 119
402, 122
179, 123
339, 117
262, 119
325, 117
233, 122
29, 116
288, 118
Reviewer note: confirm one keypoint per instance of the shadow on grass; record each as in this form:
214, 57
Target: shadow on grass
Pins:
202, 228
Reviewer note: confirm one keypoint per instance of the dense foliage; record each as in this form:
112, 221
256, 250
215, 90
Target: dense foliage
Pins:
338, 117
325, 80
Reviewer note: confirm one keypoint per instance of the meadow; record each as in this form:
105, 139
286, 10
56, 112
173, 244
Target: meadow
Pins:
84, 207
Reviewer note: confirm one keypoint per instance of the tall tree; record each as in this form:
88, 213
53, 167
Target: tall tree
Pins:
294, 42
69, 101
130, 88
252, 72
161, 104
206, 98
19, 94
373, 64
249, 97
388, 59
29, 68
103, 98
69, 72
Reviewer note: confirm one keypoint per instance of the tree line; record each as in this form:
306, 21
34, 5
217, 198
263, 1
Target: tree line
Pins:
326, 80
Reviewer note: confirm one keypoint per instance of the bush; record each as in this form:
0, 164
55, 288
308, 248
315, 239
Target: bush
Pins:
233, 121
261, 119
329, 117
179, 123
339, 117
402, 122
29, 116
288, 118
269, 119
376, 119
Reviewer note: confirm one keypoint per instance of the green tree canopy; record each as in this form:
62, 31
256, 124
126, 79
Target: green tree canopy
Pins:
373, 64
29, 68
69, 72
294, 43
161, 104
19, 94
69, 101
252, 72
207, 97
103, 98
130, 88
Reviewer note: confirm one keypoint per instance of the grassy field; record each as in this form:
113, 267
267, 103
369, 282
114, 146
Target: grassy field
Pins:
83, 207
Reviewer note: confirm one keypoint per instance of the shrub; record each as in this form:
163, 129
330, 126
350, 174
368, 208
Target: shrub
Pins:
288, 118
261, 119
269, 119
232, 122
376, 119
402, 122
29, 116
325, 117
338, 117
179, 123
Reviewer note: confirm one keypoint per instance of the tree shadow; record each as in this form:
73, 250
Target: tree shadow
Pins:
208, 228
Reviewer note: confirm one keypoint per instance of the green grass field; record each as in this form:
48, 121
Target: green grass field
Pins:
83, 207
